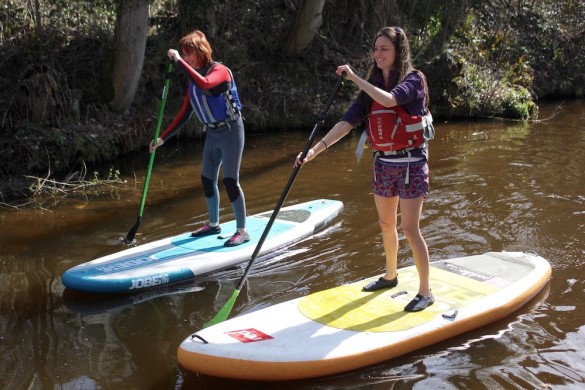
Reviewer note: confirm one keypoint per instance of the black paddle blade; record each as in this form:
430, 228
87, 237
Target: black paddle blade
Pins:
130, 236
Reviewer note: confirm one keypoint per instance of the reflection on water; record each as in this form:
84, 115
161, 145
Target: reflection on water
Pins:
494, 186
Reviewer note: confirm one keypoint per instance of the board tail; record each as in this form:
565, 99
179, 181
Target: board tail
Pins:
223, 314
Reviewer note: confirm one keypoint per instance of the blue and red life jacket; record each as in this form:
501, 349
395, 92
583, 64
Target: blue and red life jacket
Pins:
218, 104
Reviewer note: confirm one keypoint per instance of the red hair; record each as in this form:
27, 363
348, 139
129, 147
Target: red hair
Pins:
196, 43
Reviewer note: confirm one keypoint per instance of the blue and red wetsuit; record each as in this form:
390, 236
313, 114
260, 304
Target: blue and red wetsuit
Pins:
213, 96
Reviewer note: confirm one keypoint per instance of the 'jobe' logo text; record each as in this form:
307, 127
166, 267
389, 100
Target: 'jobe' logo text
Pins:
149, 281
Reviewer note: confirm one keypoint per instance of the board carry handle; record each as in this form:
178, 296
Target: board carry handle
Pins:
224, 312
132, 233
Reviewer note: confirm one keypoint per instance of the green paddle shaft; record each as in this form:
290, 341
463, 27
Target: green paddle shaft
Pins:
130, 236
223, 314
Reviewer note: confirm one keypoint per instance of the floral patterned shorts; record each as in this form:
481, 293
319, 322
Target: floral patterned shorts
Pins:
390, 179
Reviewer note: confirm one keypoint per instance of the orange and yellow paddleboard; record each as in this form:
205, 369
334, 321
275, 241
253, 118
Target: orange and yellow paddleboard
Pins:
345, 328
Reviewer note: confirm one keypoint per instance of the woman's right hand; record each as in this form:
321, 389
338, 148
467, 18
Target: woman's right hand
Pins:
153, 145
310, 155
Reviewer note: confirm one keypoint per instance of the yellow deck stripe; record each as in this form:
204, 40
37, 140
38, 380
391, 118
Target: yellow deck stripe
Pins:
348, 307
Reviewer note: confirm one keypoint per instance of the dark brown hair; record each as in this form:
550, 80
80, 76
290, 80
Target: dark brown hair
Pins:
402, 63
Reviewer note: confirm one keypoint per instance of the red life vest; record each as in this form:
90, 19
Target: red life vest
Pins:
391, 129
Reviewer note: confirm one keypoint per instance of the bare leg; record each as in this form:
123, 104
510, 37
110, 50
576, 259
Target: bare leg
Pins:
387, 210
411, 210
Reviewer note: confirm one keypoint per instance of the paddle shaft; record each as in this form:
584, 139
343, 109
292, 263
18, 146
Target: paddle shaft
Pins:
224, 312
318, 125
134, 229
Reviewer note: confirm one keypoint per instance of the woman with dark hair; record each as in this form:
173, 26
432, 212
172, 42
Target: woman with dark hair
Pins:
393, 102
213, 96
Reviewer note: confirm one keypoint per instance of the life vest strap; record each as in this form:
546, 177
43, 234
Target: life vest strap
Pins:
359, 150
380, 153
425, 121
217, 125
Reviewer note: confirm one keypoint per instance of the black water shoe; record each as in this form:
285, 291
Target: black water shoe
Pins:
380, 284
420, 302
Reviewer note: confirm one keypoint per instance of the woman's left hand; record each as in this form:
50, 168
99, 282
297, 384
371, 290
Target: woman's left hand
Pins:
153, 145
310, 155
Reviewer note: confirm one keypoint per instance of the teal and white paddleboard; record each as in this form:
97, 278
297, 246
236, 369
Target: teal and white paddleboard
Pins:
182, 257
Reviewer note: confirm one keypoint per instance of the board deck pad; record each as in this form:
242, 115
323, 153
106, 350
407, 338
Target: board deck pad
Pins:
186, 244
348, 307
183, 257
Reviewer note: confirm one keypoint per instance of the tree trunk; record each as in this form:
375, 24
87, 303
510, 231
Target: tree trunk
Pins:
365, 18
200, 15
131, 31
306, 26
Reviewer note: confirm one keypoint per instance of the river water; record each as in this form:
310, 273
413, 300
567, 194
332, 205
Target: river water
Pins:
494, 186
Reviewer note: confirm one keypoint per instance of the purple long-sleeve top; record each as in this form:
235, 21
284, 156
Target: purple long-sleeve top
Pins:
410, 94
